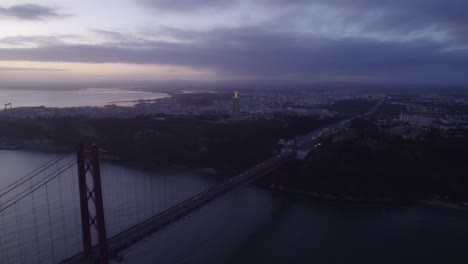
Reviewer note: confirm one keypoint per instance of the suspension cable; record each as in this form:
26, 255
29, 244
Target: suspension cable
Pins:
50, 225
2, 246
19, 233
75, 206
65, 237
32, 174
37, 186
4, 236
36, 231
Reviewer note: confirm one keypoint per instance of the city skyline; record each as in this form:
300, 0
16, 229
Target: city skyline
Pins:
307, 41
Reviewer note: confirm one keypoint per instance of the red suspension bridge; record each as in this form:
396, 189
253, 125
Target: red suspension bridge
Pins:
72, 210
61, 211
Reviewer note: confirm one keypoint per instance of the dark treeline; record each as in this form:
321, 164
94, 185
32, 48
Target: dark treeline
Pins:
196, 142
376, 165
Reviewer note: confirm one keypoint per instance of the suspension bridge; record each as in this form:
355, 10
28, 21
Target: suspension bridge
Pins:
73, 209
67, 211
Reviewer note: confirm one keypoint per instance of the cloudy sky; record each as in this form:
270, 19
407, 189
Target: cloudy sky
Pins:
397, 41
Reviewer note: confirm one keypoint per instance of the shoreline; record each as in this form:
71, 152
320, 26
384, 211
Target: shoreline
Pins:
329, 198
445, 204
125, 99
334, 199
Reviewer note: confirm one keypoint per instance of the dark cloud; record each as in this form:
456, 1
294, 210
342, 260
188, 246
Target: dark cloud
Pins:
110, 34
404, 17
396, 16
253, 52
35, 40
409, 16
186, 5
30, 12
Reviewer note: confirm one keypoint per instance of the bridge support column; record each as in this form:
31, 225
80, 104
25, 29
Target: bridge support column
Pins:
88, 164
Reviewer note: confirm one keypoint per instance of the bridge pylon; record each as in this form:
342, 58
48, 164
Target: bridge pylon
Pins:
89, 181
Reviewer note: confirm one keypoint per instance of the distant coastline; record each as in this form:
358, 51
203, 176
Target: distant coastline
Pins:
98, 97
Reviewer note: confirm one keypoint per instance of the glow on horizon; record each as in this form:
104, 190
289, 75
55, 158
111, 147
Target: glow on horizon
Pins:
62, 71
83, 17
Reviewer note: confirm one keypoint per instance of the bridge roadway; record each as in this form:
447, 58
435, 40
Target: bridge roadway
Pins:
308, 141
132, 235
157, 222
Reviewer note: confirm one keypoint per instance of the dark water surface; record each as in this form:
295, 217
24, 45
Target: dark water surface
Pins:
76, 98
45, 226
254, 225
248, 225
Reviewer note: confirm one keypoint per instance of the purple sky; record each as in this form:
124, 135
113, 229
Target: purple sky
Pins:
397, 41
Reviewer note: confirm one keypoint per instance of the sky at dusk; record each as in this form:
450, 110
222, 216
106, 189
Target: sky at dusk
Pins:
397, 41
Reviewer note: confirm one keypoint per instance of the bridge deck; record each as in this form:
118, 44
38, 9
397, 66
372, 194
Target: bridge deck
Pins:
157, 222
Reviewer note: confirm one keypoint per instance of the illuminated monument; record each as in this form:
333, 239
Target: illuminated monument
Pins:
236, 106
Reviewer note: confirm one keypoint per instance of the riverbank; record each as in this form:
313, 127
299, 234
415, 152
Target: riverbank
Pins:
211, 172
334, 198
329, 198
446, 204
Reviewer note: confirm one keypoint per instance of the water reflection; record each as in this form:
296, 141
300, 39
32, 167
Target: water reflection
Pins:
45, 226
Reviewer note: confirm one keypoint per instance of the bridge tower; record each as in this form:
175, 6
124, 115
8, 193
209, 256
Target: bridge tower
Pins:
90, 190
236, 106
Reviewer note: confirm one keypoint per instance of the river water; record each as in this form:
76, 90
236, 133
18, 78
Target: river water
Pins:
254, 225
75, 98
44, 227
248, 225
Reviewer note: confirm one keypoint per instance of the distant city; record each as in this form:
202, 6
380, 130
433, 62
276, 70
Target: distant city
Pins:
428, 110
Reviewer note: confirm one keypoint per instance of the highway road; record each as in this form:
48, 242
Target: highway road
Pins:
311, 139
